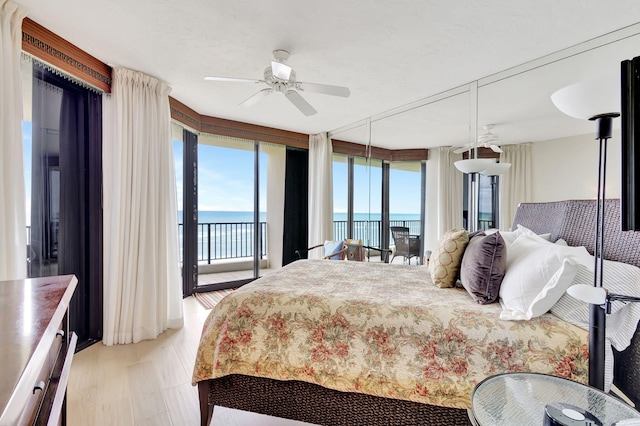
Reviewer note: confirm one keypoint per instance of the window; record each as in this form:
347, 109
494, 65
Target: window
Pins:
404, 195
486, 198
340, 196
62, 136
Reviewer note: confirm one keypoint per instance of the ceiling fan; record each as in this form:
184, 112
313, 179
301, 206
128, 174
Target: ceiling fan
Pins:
281, 78
487, 140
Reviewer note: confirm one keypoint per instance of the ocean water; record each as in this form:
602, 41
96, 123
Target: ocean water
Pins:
337, 217
208, 216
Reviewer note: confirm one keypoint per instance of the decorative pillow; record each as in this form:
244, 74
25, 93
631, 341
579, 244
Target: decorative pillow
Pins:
333, 250
538, 273
444, 262
483, 267
354, 250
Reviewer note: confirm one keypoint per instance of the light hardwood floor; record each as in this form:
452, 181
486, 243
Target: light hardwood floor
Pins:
147, 383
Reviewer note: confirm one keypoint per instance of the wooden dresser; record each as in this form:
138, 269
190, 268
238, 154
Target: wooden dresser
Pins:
36, 349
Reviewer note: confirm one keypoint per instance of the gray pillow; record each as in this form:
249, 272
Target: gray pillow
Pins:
483, 266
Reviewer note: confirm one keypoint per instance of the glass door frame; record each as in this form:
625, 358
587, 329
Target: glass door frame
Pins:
189, 213
190, 220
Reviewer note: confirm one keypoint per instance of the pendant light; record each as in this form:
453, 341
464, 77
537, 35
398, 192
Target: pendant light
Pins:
475, 164
485, 166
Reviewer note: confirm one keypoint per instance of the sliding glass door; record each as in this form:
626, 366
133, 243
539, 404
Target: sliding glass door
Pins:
405, 208
225, 187
357, 203
367, 201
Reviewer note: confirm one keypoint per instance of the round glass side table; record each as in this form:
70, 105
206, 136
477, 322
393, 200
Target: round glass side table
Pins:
520, 398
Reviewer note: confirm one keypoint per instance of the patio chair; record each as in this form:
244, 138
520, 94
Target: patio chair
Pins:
332, 250
407, 246
348, 249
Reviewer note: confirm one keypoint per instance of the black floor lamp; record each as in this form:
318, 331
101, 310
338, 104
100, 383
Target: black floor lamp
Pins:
597, 314
581, 101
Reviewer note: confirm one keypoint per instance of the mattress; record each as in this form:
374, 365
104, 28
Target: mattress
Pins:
379, 329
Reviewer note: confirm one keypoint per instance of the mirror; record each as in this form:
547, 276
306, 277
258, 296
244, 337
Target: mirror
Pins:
517, 102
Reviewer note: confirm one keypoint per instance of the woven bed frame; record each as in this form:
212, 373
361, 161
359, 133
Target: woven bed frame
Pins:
573, 221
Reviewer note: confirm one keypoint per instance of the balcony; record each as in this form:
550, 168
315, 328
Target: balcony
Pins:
228, 247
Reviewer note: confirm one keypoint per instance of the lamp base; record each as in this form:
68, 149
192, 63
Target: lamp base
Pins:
560, 414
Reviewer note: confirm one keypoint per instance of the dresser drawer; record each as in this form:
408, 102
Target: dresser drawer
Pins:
44, 379
51, 412
35, 356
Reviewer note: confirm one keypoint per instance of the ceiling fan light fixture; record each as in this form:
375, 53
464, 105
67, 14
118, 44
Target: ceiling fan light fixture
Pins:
280, 70
473, 165
496, 169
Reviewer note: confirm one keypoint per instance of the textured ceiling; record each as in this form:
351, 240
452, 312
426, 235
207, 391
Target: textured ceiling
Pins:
393, 55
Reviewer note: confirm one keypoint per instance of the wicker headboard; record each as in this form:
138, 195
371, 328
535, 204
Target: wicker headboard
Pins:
574, 221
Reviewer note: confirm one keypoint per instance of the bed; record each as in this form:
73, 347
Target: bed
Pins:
354, 343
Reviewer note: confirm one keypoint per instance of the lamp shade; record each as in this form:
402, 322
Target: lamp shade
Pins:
588, 293
473, 165
496, 169
589, 98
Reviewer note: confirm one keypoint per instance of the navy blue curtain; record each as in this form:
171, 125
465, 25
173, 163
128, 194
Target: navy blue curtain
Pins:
296, 204
66, 191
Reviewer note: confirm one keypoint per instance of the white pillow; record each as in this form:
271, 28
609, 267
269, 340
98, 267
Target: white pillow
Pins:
618, 278
537, 275
526, 231
510, 236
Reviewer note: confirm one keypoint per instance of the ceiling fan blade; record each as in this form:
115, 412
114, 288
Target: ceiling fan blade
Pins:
232, 79
461, 150
495, 148
304, 106
255, 98
325, 89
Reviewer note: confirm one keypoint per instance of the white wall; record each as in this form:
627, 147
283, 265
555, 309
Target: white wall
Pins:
567, 169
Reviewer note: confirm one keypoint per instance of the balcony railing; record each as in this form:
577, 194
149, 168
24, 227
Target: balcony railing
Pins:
370, 231
218, 241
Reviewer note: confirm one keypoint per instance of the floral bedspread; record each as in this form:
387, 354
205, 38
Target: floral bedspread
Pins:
378, 329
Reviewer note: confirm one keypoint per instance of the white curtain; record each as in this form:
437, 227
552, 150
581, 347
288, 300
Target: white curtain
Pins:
13, 237
142, 286
320, 192
515, 184
444, 194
